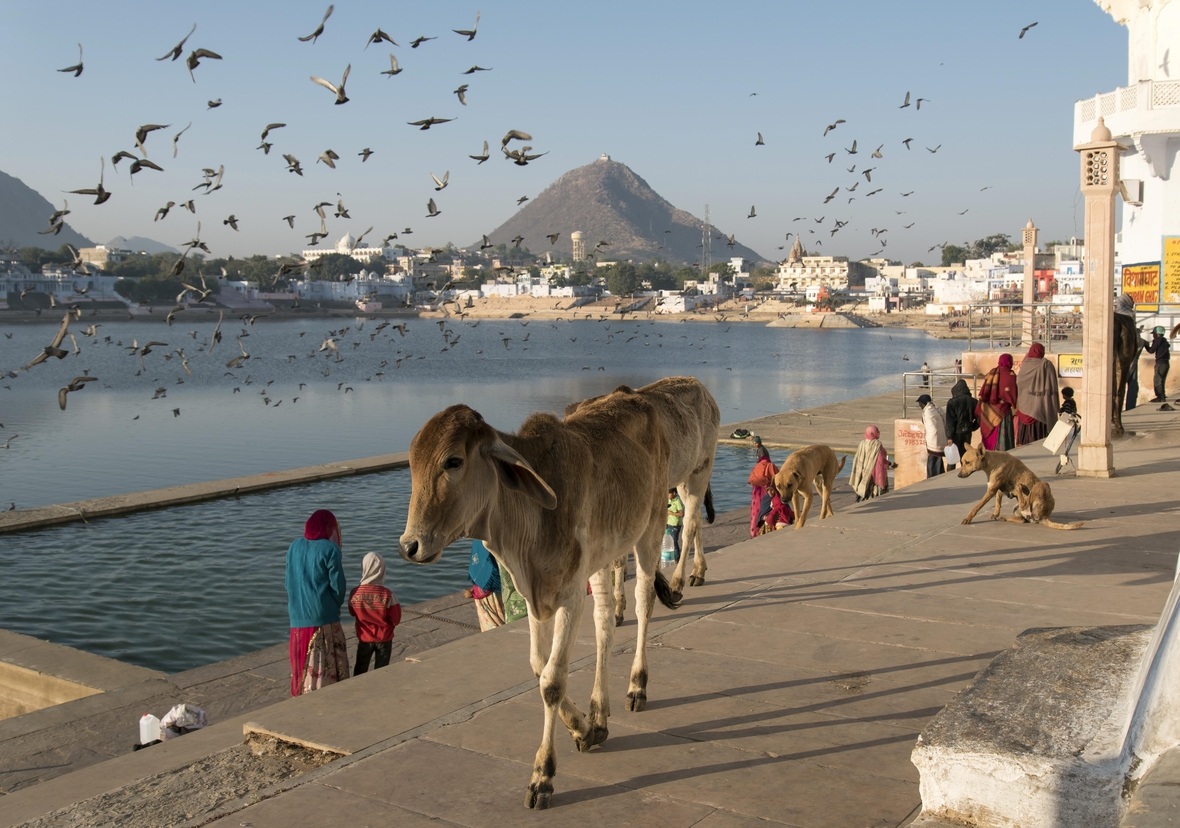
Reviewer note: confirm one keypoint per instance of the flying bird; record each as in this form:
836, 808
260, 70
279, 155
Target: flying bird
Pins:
364, 154
427, 123
521, 200
377, 37
907, 142
329, 157
759, 142
1024, 31
176, 51
232, 221
907, 101
418, 41
176, 138
830, 156
936, 149
910, 193
163, 211
341, 210
214, 104
100, 194
851, 151
77, 67
319, 30
468, 33
877, 152
77, 384
338, 91
194, 60
919, 102
432, 210
475, 69
141, 135
832, 126
266, 130
440, 185
393, 69
833, 194
964, 212
462, 93
481, 158
293, 164
752, 213
553, 238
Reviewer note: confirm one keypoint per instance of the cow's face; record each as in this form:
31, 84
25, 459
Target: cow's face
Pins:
456, 463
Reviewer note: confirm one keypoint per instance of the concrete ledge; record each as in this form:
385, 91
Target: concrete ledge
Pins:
26, 519
1036, 739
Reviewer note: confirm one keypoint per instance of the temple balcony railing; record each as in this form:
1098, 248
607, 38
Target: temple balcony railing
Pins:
1147, 107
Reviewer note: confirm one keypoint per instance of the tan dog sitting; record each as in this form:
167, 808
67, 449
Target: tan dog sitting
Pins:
1007, 475
814, 464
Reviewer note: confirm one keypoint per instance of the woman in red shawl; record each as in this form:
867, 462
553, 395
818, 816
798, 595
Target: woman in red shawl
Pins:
315, 590
760, 482
997, 399
1036, 385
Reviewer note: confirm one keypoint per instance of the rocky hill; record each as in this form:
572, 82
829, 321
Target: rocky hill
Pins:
24, 212
140, 244
607, 201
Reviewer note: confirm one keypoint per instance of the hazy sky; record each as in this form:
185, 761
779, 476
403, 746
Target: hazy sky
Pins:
662, 87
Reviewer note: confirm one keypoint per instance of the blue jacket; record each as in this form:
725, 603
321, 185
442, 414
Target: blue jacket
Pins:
315, 583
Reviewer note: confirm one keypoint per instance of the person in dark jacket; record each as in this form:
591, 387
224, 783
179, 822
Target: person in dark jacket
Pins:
1159, 346
961, 421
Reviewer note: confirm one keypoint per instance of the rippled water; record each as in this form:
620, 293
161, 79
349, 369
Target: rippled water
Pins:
181, 587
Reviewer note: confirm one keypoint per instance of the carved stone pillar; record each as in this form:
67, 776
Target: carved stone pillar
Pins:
1100, 182
1030, 284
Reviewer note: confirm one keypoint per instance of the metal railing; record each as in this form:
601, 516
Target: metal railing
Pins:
994, 325
937, 384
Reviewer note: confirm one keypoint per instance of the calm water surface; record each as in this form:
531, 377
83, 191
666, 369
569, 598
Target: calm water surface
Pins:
181, 587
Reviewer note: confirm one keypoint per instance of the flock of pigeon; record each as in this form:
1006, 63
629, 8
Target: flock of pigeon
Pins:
866, 170
520, 154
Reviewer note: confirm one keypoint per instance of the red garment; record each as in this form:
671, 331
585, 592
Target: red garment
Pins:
322, 525
779, 512
376, 611
297, 644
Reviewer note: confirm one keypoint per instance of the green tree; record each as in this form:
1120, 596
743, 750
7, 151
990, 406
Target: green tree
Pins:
983, 248
622, 279
685, 274
953, 254
723, 269
916, 264
580, 276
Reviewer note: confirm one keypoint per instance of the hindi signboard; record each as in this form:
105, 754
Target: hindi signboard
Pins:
1142, 282
1170, 276
1069, 365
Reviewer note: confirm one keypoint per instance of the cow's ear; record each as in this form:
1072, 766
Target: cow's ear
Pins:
516, 473
1024, 490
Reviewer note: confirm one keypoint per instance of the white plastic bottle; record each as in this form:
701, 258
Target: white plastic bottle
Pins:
668, 552
149, 729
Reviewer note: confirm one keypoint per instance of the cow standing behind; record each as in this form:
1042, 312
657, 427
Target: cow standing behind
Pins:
556, 503
690, 418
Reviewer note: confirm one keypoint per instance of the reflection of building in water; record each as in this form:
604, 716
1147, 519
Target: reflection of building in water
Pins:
1143, 116
579, 246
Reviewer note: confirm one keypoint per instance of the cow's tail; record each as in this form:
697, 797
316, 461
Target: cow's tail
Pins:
840, 467
710, 512
664, 592
1052, 524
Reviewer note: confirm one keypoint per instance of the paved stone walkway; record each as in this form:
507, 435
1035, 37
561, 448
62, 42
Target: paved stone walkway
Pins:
789, 689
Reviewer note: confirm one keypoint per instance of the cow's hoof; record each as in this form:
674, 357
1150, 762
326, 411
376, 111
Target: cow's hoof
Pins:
618, 620
596, 736
636, 700
538, 795
677, 596
696, 580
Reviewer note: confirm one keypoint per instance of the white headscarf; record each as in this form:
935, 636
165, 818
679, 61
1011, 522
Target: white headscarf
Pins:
373, 569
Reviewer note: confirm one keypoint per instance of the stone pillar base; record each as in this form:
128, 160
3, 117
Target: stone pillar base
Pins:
1096, 461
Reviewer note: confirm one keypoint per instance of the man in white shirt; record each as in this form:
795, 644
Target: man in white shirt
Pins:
935, 427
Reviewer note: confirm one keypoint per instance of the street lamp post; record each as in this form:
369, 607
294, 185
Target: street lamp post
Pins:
1100, 182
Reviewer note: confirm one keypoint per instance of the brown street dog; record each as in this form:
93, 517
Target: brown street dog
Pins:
1006, 475
814, 464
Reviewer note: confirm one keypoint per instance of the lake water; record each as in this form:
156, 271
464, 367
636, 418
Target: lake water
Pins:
177, 588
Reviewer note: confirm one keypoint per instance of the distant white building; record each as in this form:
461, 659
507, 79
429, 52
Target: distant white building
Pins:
347, 247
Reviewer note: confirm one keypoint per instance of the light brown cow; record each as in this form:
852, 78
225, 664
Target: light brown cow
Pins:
556, 503
690, 419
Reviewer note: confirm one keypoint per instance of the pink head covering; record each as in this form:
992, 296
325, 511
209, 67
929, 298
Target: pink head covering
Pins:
1036, 351
1006, 360
872, 433
322, 525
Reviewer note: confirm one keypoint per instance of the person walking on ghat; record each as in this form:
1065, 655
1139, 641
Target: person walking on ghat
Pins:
675, 519
377, 612
1159, 346
315, 590
1069, 413
870, 467
936, 442
1036, 388
997, 399
961, 421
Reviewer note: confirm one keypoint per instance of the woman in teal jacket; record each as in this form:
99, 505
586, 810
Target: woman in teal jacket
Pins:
315, 590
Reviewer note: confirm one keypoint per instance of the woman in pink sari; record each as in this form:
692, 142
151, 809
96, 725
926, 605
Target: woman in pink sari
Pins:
315, 590
761, 479
997, 399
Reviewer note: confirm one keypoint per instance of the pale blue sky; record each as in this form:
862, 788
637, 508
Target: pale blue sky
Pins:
663, 87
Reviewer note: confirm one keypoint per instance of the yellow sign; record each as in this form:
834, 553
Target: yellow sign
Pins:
1171, 270
1142, 281
1069, 365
